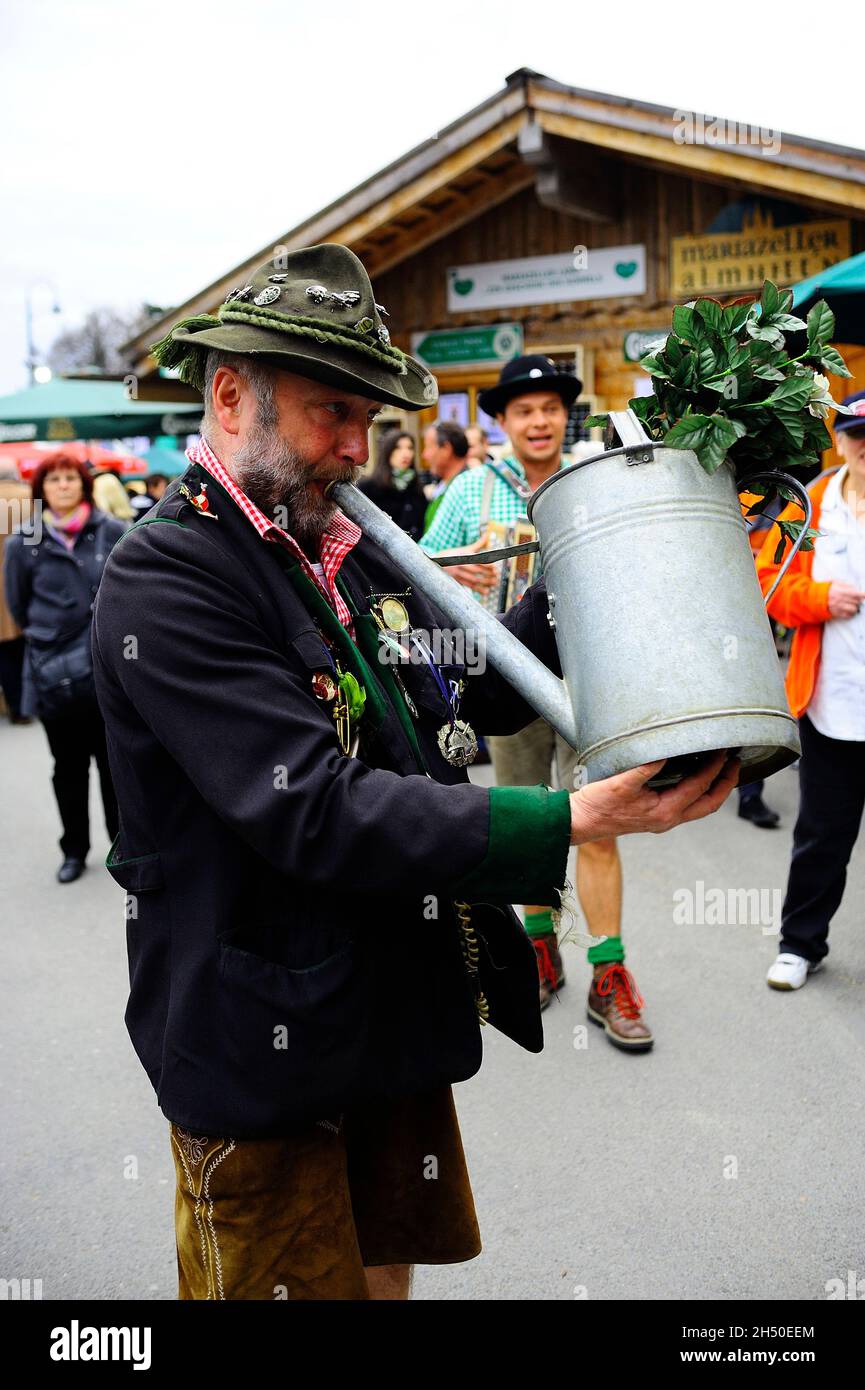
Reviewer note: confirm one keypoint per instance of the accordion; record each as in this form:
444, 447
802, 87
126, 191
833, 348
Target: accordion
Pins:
514, 575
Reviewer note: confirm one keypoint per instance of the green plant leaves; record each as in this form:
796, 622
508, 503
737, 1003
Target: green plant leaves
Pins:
770, 299
711, 313
726, 385
689, 433
790, 531
683, 321
832, 361
735, 315
788, 323
821, 326
793, 391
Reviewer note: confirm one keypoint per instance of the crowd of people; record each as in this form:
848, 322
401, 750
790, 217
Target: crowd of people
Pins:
364, 1086
446, 501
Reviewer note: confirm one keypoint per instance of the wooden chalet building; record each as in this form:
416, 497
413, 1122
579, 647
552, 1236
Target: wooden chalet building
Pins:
556, 220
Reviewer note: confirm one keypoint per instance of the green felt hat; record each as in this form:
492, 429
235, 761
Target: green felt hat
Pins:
311, 312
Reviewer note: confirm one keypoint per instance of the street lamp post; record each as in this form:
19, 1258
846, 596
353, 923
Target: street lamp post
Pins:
31, 362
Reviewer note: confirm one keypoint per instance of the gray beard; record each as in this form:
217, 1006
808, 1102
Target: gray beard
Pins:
277, 479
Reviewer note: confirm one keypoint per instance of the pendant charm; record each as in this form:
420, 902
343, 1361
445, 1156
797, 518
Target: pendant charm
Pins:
394, 614
199, 501
345, 298
323, 686
458, 743
268, 295
412, 707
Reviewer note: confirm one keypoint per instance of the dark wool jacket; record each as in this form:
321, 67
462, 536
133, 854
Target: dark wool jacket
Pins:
293, 946
50, 590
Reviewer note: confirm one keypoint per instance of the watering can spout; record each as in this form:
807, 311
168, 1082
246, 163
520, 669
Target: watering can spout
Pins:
544, 691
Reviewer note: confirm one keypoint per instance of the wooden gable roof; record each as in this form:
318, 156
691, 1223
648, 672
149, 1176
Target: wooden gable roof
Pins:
500, 147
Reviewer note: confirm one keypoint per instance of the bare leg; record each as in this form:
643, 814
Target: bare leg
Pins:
389, 1281
599, 886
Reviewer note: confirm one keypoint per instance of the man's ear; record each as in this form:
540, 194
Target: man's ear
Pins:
227, 398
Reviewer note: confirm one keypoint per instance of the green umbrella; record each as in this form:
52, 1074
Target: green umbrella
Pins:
63, 410
843, 287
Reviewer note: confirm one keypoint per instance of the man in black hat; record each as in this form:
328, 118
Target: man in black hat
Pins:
308, 869
531, 402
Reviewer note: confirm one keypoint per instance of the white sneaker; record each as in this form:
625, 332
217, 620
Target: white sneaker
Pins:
790, 971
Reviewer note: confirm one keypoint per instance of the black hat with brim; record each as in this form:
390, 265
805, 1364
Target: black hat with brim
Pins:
311, 312
524, 375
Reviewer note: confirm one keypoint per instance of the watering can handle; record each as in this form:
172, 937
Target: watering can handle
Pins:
629, 428
805, 501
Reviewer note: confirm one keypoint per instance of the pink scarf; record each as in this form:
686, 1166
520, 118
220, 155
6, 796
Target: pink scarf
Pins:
65, 528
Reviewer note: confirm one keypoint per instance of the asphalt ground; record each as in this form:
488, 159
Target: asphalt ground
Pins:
727, 1163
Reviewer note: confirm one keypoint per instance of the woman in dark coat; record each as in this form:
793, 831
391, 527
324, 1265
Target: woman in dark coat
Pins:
52, 568
394, 485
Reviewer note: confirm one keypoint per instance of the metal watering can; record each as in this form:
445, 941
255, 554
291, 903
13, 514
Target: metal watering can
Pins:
659, 619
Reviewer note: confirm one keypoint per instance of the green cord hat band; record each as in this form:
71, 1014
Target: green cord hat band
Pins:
320, 329
278, 318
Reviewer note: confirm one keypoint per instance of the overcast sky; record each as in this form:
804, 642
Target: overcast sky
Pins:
145, 149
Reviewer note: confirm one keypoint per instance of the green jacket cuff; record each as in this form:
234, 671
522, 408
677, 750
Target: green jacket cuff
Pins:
527, 849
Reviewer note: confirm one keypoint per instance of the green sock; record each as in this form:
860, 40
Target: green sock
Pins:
539, 923
606, 951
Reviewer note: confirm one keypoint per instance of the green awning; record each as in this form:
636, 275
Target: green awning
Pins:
64, 410
843, 287
171, 462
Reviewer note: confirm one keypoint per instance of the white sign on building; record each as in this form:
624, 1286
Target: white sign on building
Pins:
587, 273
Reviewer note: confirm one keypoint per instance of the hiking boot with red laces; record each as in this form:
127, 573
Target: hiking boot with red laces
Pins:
551, 974
615, 1004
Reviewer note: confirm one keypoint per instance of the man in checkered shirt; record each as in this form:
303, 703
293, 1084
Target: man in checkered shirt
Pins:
531, 403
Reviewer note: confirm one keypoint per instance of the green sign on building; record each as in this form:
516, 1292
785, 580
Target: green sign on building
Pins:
485, 346
640, 341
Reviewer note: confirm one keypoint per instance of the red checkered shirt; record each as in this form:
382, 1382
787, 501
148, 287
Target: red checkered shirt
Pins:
339, 538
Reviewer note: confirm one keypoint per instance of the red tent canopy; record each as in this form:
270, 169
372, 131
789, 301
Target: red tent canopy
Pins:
27, 457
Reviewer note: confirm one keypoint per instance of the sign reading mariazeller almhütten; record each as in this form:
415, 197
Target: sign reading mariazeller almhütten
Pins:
724, 262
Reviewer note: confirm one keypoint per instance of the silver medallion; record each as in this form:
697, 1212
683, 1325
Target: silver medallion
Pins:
458, 743
277, 279
242, 292
267, 296
317, 293
383, 334
345, 298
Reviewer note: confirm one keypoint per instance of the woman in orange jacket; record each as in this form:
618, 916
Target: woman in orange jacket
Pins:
822, 597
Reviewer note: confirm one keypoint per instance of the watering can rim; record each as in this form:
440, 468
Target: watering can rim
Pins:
629, 428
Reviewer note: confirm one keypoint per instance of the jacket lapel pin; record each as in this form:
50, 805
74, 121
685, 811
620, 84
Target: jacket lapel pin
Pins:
200, 501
